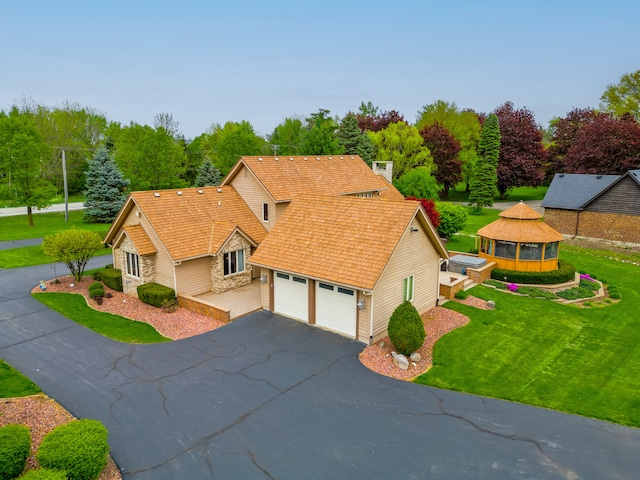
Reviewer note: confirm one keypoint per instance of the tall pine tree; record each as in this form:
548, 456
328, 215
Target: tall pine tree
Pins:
485, 177
105, 188
354, 140
208, 175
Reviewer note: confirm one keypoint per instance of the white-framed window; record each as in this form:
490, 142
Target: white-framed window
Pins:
133, 264
265, 212
233, 262
407, 289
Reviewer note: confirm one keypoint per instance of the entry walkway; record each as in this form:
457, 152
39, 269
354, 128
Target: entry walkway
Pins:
239, 301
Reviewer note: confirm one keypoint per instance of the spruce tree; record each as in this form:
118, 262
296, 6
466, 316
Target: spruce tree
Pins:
485, 177
105, 188
354, 140
208, 175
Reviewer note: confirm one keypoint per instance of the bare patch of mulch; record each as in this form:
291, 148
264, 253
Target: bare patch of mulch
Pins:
437, 322
42, 414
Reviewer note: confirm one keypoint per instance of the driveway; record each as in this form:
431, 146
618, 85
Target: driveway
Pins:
267, 397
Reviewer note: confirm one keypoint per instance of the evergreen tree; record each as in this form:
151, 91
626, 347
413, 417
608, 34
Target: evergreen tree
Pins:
105, 187
485, 177
354, 141
208, 175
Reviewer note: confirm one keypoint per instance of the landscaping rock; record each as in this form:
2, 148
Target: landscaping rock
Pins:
400, 361
491, 305
381, 344
415, 357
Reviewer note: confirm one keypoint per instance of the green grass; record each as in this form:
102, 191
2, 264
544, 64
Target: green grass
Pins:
578, 360
29, 256
57, 199
75, 307
517, 194
15, 384
17, 228
465, 240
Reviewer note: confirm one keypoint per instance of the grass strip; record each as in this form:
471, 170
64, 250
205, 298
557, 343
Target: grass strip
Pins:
30, 256
15, 384
17, 227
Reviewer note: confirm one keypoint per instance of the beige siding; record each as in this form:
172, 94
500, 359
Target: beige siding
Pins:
264, 290
194, 277
415, 255
280, 208
364, 317
254, 195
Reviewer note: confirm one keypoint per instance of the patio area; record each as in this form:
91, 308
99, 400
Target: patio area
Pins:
239, 301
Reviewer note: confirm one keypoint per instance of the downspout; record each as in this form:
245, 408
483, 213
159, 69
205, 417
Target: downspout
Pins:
577, 225
371, 320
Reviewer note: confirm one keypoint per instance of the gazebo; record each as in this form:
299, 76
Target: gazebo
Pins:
520, 241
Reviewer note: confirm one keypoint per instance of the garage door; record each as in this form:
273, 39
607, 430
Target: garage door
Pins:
291, 296
336, 308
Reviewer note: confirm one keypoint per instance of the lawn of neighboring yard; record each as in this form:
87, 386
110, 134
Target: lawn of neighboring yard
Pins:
17, 228
517, 194
75, 307
465, 240
29, 256
15, 384
578, 360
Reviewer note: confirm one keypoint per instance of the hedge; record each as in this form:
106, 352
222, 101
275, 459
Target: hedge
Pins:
154, 294
15, 445
405, 329
112, 278
44, 474
79, 448
565, 273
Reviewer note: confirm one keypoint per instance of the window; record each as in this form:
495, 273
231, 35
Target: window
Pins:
407, 289
133, 261
346, 291
326, 286
300, 280
265, 212
284, 276
530, 251
551, 250
233, 262
505, 249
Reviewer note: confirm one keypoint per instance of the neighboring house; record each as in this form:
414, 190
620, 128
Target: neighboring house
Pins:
346, 263
193, 240
268, 184
596, 206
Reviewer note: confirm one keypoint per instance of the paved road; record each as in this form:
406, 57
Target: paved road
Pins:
58, 207
267, 397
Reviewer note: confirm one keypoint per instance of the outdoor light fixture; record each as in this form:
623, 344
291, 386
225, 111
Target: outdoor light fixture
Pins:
361, 304
263, 279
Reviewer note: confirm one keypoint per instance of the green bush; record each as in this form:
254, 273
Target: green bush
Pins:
496, 283
614, 292
462, 294
405, 329
112, 278
565, 273
15, 445
79, 448
44, 474
97, 276
154, 294
537, 293
96, 292
95, 285
452, 218
589, 285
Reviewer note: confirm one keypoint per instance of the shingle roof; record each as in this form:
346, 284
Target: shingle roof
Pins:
345, 240
571, 191
140, 239
289, 176
514, 230
195, 222
520, 211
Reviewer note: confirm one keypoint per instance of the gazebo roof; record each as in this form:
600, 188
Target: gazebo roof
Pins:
520, 211
520, 223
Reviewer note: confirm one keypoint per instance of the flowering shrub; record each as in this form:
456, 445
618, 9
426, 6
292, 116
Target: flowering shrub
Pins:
586, 276
512, 287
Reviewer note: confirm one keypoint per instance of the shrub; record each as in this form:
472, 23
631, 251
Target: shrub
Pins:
44, 474
537, 293
452, 218
95, 284
15, 445
405, 329
112, 278
169, 305
79, 448
97, 276
614, 292
564, 273
496, 283
154, 294
96, 290
462, 294
589, 285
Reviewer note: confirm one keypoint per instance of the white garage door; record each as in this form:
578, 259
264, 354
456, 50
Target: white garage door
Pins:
291, 296
336, 308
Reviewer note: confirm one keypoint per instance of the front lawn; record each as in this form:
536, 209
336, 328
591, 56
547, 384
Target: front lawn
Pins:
578, 360
17, 228
15, 384
75, 308
29, 256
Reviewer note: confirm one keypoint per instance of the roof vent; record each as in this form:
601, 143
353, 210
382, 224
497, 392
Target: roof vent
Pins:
598, 177
179, 193
259, 159
138, 214
156, 194
219, 190
290, 158
330, 158
305, 159
275, 158
341, 158
561, 175
318, 158
200, 192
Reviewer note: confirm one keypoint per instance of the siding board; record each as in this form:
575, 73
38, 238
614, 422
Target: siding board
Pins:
623, 198
254, 195
194, 277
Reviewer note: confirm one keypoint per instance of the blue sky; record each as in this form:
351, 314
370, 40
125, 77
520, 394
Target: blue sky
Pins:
262, 61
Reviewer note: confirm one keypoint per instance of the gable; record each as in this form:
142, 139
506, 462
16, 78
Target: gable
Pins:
623, 197
139, 238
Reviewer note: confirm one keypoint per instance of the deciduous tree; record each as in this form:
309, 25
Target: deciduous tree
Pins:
484, 180
319, 135
105, 188
522, 155
233, 141
353, 140
287, 136
453, 217
73, 247
418, 183
429, 207
444, 149
370, 119
623, 97
402, 144
563, 136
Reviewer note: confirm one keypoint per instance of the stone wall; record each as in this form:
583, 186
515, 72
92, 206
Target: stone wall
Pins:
146, 266
608, 226
220, 283
208, 309
479, 275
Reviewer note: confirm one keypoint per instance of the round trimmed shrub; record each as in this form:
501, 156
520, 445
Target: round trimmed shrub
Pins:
15, 445
44, 474
78, 448
405, 329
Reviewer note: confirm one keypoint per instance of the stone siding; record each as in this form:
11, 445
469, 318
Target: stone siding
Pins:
146, 265
607, 226
220, 283
479, 275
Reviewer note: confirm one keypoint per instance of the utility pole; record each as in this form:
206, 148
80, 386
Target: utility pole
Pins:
66, 191
275, 149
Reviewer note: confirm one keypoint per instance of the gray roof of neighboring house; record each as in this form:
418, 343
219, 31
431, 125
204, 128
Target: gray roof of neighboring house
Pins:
571, 191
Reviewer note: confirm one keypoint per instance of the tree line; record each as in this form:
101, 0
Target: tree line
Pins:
491, 152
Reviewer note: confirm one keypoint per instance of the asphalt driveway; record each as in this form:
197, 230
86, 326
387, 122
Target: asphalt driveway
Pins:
268, 397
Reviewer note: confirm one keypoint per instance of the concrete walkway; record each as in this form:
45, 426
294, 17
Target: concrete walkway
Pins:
266, 397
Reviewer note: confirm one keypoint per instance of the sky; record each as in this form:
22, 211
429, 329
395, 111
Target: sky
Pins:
207, 62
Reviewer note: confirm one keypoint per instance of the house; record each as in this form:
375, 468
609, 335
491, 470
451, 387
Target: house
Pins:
345, 263
518, 240
325, 221
596, 206
268, 184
